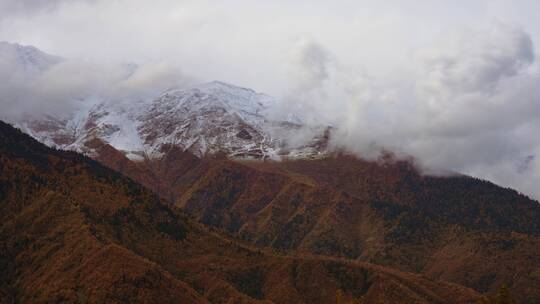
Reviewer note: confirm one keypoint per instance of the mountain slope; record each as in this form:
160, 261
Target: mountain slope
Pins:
72, 230
205, 119
26, 60
455, 228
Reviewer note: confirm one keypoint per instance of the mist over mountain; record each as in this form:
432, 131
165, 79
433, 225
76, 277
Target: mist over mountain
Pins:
73, 230
468, 108
37, 83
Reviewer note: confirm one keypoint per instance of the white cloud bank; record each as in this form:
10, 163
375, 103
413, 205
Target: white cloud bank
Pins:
469, 103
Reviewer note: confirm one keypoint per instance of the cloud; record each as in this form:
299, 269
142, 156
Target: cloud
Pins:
14, 8
34, 82
475, 95
321, 88
476, 60
470, 103
151, 79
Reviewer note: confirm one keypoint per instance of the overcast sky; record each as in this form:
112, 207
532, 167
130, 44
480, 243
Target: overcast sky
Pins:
249, 42
453, 83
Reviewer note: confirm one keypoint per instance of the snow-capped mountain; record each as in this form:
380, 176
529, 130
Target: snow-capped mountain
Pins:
16, 58
203, 119
209, 118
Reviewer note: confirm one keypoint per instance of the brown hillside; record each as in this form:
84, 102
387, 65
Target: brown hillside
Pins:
74, 231
456, 228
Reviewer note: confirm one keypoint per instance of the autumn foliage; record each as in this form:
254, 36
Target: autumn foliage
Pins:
454, 227
72, 230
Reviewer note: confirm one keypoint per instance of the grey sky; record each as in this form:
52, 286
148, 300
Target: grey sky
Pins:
247, 42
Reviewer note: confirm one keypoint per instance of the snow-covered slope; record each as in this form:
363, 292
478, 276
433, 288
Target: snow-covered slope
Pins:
16, 58
204, 119
209, 118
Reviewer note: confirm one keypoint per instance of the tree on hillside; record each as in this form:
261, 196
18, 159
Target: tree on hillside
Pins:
502, 297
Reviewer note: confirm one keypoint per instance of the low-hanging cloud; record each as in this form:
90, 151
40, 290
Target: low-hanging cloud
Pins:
469, 103
59, 84
11, 8
472, 60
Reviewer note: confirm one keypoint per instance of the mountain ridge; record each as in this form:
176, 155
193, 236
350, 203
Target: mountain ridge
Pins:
457, 228
28, 59
73, 230
203, 119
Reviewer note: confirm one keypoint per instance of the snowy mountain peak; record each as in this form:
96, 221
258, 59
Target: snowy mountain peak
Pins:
217, 92
26, 58
217, 85
208, 118
204, 119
